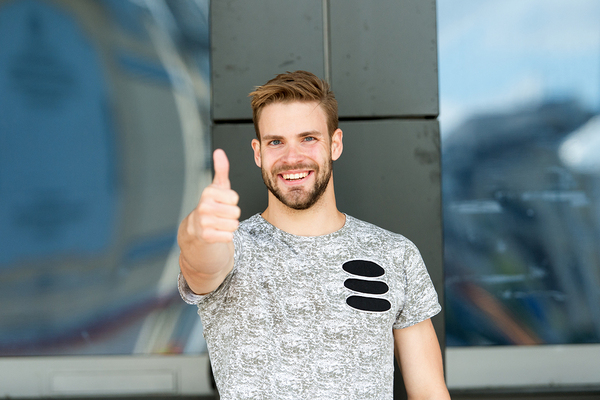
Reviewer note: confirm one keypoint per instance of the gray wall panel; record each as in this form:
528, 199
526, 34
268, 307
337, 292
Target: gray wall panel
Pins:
389, 175
244, 175
384, 57
252, 41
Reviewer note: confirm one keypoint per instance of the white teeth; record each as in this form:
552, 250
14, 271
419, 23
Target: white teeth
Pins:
291, 177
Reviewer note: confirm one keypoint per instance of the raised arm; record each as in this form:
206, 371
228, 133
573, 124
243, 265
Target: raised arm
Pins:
420, 359
205, 236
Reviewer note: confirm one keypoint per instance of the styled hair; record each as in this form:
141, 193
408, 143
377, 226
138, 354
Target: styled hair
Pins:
295, 86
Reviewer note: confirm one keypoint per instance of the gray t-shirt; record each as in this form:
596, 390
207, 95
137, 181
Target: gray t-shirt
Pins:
312, 317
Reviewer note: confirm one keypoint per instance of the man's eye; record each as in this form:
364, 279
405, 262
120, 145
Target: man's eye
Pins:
309, 139
275, 142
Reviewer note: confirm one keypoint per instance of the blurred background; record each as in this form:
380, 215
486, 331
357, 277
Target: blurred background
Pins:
105, 143
519, 103
520, 134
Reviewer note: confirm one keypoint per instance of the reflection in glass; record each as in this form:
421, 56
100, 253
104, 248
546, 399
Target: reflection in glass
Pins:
103, 142
521, 231
521, 172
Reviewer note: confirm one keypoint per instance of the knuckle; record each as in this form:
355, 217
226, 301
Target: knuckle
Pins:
208, 192
207, 236
205, 220
204, 208
191, 229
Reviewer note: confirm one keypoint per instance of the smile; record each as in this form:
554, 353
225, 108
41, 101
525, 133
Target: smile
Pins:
295, 177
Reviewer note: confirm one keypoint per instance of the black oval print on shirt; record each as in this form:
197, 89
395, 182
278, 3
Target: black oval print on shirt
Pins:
368, 303
367, 269
363, 268
363, 286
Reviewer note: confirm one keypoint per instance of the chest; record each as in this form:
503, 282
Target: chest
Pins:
313, 296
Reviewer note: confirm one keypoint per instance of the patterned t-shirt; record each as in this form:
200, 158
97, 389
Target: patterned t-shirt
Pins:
312, 317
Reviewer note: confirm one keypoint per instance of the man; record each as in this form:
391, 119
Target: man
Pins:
303, 301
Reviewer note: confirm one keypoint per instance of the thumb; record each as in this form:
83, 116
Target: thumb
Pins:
221, 166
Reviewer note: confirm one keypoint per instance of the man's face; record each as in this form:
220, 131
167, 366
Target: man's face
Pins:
295, 152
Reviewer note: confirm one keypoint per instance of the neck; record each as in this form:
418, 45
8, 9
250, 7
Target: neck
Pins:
320, 219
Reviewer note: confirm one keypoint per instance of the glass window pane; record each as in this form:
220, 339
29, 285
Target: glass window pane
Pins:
103, 143
520, 95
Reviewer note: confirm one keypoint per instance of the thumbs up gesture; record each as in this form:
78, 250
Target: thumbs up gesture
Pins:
217, 215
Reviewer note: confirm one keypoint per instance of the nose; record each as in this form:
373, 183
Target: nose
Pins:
293, 154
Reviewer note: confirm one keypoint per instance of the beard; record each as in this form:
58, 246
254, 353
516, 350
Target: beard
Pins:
299, 198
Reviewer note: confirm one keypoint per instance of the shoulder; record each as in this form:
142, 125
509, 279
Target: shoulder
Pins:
253, 222
371, 231
255, 226
378, 239
253, 234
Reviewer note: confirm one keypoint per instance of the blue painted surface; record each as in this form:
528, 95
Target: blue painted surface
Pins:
58, 191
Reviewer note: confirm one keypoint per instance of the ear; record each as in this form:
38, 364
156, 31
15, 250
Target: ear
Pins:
337, 145
256, 148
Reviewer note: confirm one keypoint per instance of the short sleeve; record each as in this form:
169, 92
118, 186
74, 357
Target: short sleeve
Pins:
186, 293
420, 298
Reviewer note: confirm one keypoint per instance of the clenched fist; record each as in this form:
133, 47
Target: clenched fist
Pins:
217, 215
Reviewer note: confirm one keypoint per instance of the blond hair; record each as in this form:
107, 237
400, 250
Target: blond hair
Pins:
295, 86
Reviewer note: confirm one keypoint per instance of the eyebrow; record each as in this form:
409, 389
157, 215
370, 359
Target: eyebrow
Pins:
302, 134
310, 133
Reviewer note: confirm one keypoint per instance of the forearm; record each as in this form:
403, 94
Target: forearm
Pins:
440, 393
203, 265
420, 359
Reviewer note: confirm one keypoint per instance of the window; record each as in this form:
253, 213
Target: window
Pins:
519, 103
103, 143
